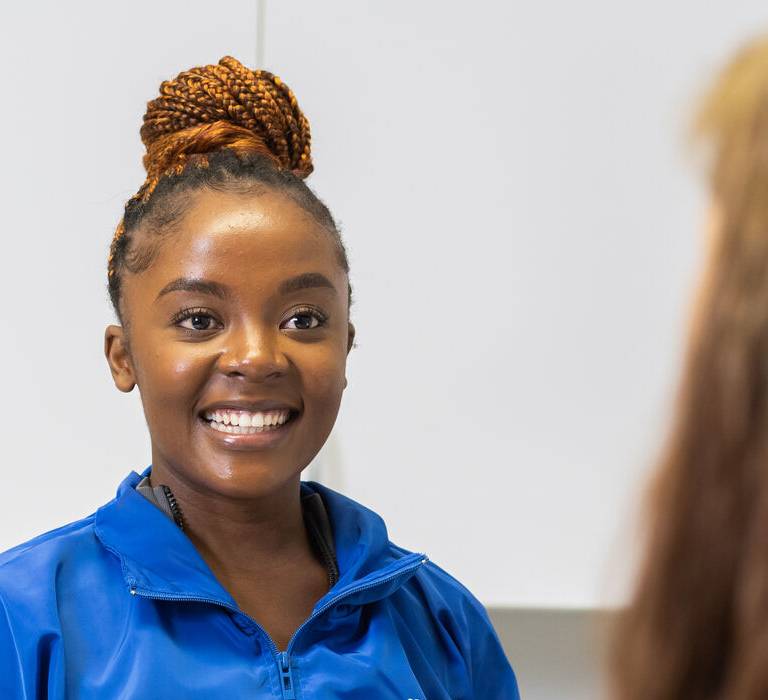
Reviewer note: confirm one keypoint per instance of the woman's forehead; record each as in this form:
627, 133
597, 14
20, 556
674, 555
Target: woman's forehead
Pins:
265, 218
231, 236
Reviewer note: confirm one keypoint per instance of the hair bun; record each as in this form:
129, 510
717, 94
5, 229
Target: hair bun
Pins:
220, 106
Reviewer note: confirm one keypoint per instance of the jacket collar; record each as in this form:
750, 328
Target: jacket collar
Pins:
159, 560
370, 566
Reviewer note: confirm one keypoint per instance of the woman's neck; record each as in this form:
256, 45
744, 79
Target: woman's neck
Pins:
238, 537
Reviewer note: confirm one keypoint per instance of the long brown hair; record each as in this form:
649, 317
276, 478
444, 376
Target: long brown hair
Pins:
697, 628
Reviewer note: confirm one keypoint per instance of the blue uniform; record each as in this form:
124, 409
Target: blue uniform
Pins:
121, 605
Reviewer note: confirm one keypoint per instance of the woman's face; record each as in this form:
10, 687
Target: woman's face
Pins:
242, 317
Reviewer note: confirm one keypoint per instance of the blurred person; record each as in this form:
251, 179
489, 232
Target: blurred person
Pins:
216, 572
697, 627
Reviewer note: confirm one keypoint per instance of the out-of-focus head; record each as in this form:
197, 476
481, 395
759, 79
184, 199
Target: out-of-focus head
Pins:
731, 128
698, 623
732, 121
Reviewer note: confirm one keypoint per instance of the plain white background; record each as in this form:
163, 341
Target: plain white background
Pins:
522, 223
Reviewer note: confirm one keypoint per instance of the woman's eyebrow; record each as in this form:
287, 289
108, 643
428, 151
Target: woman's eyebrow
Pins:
306, 280
201, 286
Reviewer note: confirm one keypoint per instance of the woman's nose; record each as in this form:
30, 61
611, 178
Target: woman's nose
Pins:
255, 354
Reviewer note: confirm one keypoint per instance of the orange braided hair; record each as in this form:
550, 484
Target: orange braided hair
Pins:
210, 108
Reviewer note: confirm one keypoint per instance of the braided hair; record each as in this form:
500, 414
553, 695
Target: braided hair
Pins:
224, 127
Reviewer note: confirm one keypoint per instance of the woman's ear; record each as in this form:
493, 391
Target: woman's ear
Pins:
350, 343
119, 358
350, 336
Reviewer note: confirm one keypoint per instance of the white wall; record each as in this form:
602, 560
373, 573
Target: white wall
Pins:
76, 80
522, 223
522, 230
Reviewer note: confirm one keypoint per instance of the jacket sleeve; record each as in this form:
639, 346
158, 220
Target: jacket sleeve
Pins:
11, 674
463, 618
492, 674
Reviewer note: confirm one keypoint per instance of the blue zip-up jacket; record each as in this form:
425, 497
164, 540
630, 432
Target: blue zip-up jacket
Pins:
120, 605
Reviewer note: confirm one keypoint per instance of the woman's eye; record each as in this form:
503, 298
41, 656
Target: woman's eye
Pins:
303, 321
197, 322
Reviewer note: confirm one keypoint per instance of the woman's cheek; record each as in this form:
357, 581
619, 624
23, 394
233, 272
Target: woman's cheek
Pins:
324, 376
173, 379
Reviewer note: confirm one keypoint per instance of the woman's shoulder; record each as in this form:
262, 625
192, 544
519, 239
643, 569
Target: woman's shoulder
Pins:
445, 593
42, 558
439, 612
59, 539
367, 530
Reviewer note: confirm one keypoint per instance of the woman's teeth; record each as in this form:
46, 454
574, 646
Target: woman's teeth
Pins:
246, 423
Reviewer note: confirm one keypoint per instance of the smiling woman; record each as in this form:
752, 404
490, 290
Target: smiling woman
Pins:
217, 572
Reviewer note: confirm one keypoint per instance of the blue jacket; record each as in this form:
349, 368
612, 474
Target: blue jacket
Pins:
121, 605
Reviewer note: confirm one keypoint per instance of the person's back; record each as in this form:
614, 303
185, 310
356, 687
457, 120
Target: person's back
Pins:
697, 628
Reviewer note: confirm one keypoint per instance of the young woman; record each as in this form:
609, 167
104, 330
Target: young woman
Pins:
217, 573
698, 626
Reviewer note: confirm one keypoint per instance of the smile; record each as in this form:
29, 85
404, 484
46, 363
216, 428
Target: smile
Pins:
247, 422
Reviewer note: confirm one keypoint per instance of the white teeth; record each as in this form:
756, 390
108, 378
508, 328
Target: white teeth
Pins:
244, 422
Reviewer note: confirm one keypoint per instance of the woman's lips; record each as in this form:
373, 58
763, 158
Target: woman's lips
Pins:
238, 421
249, 436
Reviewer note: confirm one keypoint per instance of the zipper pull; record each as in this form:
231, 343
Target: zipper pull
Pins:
286, 680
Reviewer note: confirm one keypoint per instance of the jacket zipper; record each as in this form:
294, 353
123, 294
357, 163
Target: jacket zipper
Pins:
286, 680
283, 658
